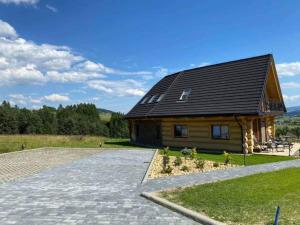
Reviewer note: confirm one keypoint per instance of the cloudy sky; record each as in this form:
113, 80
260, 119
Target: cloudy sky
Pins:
111, 52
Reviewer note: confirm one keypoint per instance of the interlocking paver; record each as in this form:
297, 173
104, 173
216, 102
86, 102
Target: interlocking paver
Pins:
19, 164
100, 189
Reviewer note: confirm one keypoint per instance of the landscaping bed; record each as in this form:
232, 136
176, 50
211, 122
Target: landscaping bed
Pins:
247, 200
165, 164
188, 166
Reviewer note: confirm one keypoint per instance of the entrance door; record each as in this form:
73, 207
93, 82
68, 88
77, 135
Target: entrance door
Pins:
149, 133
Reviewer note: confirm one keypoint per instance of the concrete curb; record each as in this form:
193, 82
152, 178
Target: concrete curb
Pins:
145, 178
179, 209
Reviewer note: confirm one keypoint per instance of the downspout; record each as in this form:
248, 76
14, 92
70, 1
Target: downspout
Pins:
242, 137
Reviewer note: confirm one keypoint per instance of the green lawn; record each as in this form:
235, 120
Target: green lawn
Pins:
248, 200
10, 143
237, 159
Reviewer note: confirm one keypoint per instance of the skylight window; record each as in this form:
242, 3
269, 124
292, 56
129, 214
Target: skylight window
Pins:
185, 95
152, 99
160, 97
144, 100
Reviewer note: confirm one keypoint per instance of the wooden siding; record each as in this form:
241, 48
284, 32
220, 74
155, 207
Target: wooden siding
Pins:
199, 133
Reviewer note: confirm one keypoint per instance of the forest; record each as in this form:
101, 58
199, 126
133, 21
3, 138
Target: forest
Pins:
80, 119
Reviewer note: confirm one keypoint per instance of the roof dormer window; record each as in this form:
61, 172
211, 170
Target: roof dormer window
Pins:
152, 99
144, 100
185, 95
160, 97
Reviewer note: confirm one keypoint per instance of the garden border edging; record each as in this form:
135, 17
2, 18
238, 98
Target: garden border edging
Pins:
179, 209
145, 178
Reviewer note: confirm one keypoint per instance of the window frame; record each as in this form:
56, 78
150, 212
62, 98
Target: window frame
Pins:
220, 127
144, 100
186, 92
181, 136
151, 99
160, 97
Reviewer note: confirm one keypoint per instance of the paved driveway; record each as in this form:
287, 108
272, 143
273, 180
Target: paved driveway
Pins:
100, 189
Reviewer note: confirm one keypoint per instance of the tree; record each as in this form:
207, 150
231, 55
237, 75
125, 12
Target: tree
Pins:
49, 121
296, 131
282, 131
8, 119
118, 126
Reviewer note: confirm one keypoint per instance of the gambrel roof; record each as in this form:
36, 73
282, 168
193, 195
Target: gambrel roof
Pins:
230, 88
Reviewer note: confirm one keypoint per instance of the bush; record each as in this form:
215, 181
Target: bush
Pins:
167, 169
184, 168
177, 161
186, 152
227, 158
200, 164
216, 164
165, 151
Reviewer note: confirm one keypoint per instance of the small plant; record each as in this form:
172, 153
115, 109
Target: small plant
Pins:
100, 145
177, 161
165, 151
165, 162
227, 158
186, 152
200, 164
216, 164
168, 170
193, 153
184, 168
23, 146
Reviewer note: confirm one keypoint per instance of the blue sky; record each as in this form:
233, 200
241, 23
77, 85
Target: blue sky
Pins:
111, 52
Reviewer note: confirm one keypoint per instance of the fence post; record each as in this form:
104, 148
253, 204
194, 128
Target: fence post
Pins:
277, 216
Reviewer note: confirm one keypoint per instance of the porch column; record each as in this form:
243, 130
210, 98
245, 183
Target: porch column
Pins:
250, 136
270, 127
245, 137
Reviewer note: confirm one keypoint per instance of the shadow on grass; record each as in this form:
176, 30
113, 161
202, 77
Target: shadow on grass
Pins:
123, 144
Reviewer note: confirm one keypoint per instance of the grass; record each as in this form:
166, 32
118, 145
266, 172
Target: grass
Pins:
247, 200
10, 143
237, 159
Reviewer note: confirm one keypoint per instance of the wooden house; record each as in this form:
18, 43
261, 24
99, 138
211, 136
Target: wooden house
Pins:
227, 106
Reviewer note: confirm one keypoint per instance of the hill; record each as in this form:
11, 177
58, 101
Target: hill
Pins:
293, 111
104, 114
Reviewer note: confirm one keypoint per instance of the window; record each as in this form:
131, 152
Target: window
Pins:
185, 95
152, 99
144, 100
160, 97
220, 132
180, 131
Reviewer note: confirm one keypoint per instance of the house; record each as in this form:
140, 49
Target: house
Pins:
227, 106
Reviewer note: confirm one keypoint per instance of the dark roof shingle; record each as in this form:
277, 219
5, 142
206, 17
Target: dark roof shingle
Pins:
233, 87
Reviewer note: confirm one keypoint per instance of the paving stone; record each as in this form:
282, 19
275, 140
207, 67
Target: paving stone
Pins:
100, 189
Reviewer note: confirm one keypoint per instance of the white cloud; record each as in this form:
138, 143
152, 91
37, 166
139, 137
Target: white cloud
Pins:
292, 98
71, 76
7, 30
22, 75
291, 85
17, 2
288, 69
57, 98
52, 8
20, 99
25, 62
118, 87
